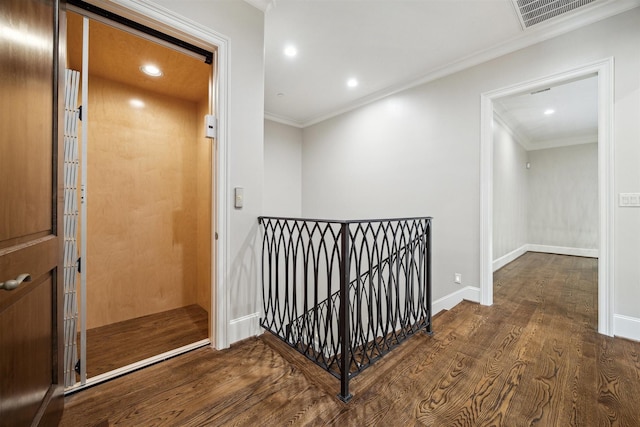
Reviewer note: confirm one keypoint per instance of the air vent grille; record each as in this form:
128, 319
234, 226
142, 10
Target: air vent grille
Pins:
532, 12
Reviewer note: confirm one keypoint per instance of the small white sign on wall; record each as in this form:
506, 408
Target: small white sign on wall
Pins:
210, 126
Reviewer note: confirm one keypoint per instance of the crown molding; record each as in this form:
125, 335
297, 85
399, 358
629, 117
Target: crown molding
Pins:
281, 119
263, 5
531, 145
563, 142
536, 34
522, 140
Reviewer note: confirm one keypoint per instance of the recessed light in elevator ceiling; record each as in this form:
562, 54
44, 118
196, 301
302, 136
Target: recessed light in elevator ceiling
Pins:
151, 70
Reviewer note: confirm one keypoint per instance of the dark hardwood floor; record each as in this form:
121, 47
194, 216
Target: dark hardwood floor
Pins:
119, 344
533, 358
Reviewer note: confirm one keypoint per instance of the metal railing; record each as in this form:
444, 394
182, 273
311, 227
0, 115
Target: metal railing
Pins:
345, 293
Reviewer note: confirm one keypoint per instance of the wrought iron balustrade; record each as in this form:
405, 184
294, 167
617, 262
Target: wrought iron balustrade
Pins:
363, 286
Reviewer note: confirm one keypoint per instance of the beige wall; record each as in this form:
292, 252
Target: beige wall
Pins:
142, 219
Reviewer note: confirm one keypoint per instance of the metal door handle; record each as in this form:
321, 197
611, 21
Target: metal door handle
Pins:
10, 285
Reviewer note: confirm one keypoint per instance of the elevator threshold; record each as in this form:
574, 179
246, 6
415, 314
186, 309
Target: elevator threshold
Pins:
122, 347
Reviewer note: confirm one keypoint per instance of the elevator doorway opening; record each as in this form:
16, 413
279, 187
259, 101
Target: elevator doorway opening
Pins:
145, 191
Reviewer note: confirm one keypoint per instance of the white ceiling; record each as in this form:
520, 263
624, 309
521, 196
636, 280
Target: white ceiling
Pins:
388, 45
574, 119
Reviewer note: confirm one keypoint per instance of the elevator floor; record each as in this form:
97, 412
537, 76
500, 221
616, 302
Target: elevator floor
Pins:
113, 346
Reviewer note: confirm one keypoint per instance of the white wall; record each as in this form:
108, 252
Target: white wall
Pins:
282, 194
510, 192
243, 25
552, 207
563, 197
418, 152
406, 155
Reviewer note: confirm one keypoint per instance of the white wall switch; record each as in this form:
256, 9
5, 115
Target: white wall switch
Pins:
629, 199
238, 197
457, 278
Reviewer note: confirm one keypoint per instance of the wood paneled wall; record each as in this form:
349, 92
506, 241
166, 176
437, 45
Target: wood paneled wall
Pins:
144, 207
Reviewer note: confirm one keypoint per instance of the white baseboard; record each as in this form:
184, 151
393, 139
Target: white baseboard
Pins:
447, 302
243, 327
561, 250
530, 247
511, 256
626, 327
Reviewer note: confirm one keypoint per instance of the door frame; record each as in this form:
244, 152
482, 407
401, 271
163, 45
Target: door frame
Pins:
168, 21
604, 70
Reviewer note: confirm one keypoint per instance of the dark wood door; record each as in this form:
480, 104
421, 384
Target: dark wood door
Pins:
30, 213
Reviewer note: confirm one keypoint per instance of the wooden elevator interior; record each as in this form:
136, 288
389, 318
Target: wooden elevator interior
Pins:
149, 196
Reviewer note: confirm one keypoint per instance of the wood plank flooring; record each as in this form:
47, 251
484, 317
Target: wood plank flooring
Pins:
114, 346
533, 358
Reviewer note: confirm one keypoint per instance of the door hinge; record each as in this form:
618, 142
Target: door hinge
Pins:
80, 112
216, 236
79, 265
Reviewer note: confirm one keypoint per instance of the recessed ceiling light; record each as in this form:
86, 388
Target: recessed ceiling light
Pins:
549, 112
136, 103
352, 82
290, 51
151, 70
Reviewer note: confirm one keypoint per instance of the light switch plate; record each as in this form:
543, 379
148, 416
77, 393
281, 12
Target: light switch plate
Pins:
629, 200
238, 197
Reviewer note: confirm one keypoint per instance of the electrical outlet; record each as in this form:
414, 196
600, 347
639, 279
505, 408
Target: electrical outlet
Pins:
457, 278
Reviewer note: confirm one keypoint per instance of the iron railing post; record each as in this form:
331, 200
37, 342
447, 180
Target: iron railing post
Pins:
428, 275
345, 342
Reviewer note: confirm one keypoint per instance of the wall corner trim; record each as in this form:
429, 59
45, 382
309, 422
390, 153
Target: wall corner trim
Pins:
243, 327
511, 256
469, 293
626, 327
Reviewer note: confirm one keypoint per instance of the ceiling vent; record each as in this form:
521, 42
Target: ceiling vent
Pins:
532, 12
